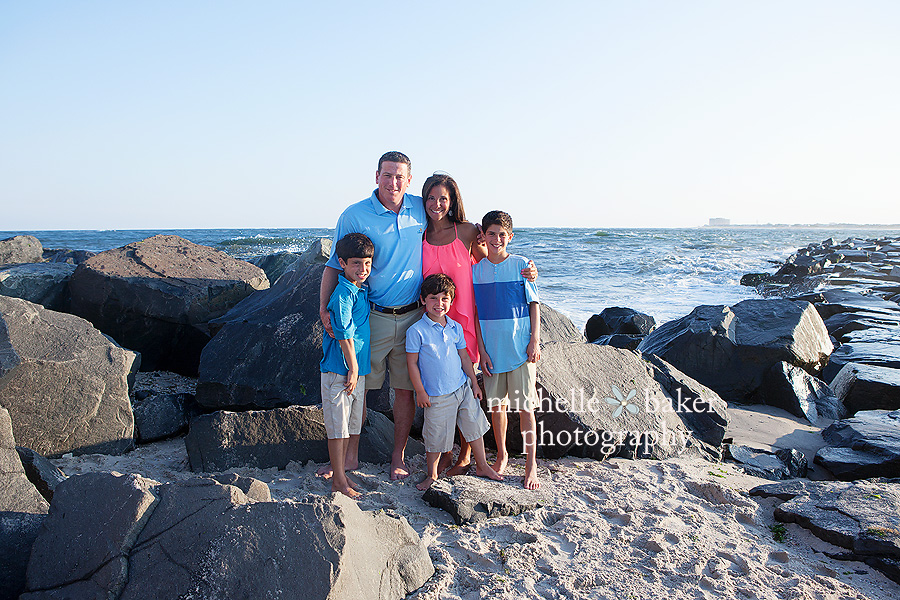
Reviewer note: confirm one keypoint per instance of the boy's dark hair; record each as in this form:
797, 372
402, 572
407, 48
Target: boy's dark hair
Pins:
437, 284
354, 245
497, 217
397, 157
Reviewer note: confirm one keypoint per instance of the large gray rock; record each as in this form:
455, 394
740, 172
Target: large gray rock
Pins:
156, 296
22, 510
863, 517
471, 499
864, 446
867, 387
267, 353
273, 438
557, 327
161, 416
42, 473
46, 284
729, 349
276, 265
618, 320
799, 393
21, 249
130, 538
784, 463
599, 401
67, 384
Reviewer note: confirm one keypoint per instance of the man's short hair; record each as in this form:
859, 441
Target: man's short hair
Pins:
354, 245
397, 157
497, 217
438, 283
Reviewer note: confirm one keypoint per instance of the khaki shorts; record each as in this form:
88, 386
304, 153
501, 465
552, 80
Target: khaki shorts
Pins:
514, 388
387, 334
343, 412
446, 413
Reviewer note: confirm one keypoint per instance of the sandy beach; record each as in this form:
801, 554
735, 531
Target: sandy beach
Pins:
680, 528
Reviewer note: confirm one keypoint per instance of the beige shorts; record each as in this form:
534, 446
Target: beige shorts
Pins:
514, 388
446, 413
387, 334
343, 412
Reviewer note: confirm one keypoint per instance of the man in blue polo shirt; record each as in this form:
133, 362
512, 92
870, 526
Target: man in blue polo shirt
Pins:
395, 222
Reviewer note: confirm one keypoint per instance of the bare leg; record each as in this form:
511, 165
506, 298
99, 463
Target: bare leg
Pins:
446, 459
529, 440
404, 412
337, 452
462, 462
499, 419
432, 471
351, 460
482, 468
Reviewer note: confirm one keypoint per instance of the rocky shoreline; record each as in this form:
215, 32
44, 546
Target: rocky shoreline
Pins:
166, 342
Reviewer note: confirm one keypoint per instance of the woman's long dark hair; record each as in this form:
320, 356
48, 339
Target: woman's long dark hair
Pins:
457, 213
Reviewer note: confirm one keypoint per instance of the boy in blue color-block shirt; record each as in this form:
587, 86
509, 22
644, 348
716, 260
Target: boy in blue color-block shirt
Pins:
345, 361
509, 316
444, 380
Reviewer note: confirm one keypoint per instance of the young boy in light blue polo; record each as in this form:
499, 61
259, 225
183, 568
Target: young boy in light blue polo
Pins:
345, 361
509, 316
444, 380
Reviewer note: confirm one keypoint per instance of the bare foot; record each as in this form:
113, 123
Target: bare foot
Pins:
500, 464
325, 471
400, 471
489, 473
345, 490
351, 465
531, 481
458, 469
424, 484
446, 459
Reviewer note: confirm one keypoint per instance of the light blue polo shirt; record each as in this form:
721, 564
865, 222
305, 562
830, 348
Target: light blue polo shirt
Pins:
503, 296
396, 276
438, 347
349, 308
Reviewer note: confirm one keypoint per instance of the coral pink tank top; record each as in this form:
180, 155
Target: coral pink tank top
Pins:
454, 261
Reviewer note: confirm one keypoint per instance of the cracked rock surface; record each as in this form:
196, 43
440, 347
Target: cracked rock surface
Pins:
861, 516
127, 537
471, 499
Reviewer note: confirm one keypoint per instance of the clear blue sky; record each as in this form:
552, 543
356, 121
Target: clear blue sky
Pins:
602, 114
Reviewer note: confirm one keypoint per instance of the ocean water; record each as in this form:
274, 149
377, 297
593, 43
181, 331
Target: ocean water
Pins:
662, 272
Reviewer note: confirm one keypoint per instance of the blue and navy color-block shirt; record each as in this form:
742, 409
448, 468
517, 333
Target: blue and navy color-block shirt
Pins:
397, 265
502, 296
349, 308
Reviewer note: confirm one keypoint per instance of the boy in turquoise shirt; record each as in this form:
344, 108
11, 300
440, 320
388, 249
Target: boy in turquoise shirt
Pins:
345, 361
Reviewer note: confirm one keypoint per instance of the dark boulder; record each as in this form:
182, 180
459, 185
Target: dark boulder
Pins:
22, 511
867, 387
620, 340
471, 499
46, 284
729, 349
799, 393
42, 473
156, 296
863, 517
267, 352
130, 538
64, 255
67, 384
161, 416
21, 249
276, 265
599, 402
863, 446
784, 463
617, 319
273, 438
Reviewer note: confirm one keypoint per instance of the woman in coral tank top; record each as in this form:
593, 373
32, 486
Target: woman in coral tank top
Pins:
450, 246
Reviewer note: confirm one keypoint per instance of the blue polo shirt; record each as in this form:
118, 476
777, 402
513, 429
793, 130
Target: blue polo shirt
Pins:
349, 308
438, 347
397, 265
503, 296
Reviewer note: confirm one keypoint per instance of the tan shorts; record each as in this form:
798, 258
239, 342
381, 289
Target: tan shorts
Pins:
343, 412
446, 413
387, 335
514, 388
